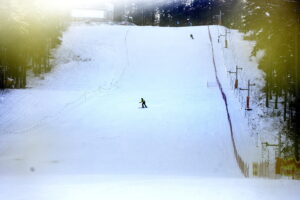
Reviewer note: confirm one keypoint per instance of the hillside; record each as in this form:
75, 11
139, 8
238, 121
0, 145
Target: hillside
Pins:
81, 133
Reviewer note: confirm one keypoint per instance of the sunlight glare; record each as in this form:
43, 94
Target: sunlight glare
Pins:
69, 3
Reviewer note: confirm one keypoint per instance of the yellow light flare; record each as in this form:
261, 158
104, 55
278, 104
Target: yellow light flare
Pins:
70, 3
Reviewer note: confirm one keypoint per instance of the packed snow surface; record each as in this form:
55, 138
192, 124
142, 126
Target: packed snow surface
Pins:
81, 133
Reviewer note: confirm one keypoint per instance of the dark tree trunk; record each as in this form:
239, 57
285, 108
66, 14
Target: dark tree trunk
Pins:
267, 90
285, 104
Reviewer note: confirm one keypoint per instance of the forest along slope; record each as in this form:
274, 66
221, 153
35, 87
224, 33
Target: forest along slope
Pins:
85, 117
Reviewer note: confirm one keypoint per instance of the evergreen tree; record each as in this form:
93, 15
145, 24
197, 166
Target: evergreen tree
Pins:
27, 34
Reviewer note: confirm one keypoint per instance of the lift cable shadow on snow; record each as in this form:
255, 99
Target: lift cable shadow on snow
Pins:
242, 165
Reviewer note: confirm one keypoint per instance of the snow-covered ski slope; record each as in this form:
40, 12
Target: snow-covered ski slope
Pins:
80, 133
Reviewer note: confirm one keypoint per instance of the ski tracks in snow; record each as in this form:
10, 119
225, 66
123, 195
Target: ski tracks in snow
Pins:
69, 106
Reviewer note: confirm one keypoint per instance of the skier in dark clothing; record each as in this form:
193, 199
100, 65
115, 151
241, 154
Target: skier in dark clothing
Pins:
192, 36
143, 102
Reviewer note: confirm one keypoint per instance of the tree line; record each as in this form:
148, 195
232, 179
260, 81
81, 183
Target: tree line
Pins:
274, 26
173, 12
28, 32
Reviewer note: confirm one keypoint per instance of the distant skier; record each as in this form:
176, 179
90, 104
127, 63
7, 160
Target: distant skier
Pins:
192, 36
143, 102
